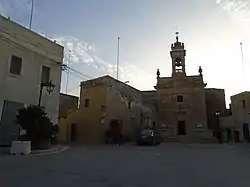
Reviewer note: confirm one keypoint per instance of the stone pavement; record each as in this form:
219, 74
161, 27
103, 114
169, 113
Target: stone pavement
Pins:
167, 165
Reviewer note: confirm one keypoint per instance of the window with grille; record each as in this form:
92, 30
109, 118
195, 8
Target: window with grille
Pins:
15, 65
179, 98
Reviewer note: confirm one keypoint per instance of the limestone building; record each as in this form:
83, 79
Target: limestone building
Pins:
236, 124
68, 104
26, 60
184, 107
106, 105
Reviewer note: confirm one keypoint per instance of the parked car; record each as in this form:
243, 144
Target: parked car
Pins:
149, 137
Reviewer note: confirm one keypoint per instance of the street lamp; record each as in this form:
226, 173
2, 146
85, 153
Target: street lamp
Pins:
217, 113
49, 87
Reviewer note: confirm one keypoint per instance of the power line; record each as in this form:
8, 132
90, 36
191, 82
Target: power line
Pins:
75, 72
80, 73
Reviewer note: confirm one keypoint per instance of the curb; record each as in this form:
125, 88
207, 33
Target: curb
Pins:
5, 152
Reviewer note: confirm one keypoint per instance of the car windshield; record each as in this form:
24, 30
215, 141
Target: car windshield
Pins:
146, 132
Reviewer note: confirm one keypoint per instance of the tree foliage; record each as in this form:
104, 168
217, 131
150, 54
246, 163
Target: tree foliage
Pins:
35, 122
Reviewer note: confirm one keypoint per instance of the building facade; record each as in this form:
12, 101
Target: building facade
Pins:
106, 105
215, 105
181, 106
26, 60
236, 124
181, 100
68, 104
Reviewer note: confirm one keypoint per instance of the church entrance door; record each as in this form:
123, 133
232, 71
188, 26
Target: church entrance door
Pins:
181, 128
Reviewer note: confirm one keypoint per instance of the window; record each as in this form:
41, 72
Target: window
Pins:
45, 74
129, 105
86, 103
179, 98
244, 103
15, 65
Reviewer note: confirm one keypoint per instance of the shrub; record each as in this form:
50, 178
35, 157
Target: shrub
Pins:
37, 125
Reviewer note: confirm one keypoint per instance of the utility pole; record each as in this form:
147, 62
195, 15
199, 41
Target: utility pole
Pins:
31, 12
67, 80
243, 65
118, 57
242, 58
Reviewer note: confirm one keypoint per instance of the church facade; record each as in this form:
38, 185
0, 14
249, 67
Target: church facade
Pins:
185, 108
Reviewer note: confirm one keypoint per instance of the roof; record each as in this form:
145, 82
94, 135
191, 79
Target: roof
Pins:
112, 79
148, 91
28, 30
215, 89
241, 94
68, 95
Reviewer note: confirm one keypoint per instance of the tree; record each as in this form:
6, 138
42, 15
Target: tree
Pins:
37, 125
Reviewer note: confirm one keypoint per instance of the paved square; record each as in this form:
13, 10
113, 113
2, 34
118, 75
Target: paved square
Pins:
167, 165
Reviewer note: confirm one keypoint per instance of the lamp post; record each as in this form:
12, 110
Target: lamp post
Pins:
49, 87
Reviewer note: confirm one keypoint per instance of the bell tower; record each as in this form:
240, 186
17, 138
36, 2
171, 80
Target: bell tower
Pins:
178, 54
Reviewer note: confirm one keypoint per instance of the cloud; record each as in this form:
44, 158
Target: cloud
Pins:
85, 59
12, 5
237, 7
10, 8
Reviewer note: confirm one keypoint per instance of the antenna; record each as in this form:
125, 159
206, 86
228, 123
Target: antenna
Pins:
31, 12
67, 80
243, 64
242, 57
118, 57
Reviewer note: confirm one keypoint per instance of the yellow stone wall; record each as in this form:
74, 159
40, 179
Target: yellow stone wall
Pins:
105, 103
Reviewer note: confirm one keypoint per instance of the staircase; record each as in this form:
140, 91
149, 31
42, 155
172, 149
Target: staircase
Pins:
202, 136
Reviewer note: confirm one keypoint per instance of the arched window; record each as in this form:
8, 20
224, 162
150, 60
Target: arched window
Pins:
179, 98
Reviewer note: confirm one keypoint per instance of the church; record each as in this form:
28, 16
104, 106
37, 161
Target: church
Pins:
180, 106
185, 109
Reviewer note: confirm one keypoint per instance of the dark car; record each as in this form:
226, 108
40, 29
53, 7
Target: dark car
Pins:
149, 137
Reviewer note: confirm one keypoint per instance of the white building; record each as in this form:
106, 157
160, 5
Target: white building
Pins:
26, 60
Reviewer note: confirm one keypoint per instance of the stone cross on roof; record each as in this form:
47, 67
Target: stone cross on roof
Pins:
177, 36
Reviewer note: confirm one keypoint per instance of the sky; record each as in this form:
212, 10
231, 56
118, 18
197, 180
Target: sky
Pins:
212, 31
